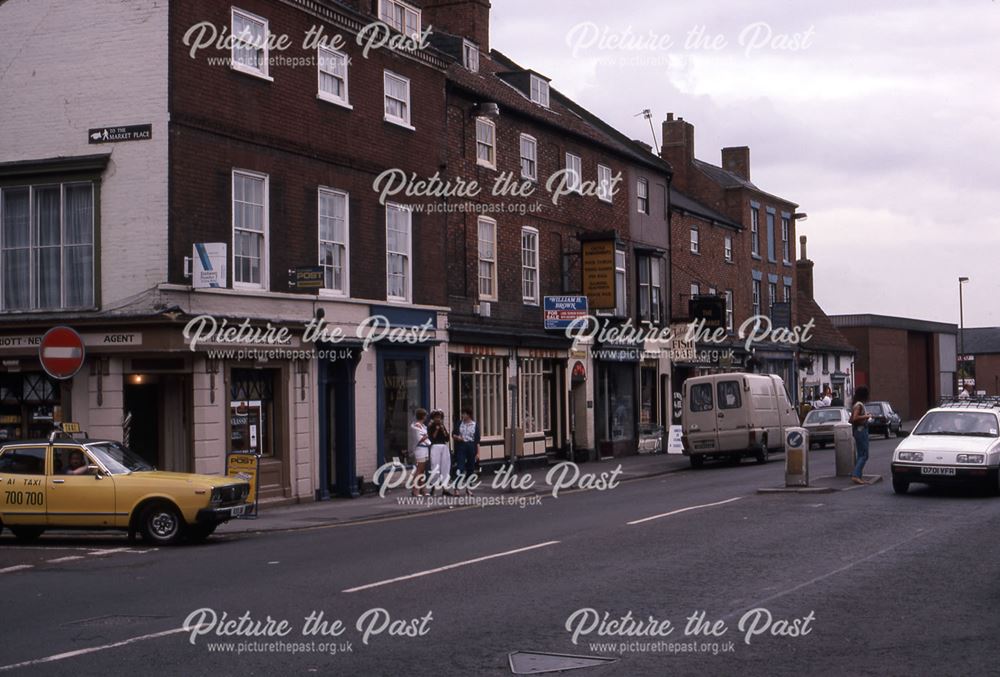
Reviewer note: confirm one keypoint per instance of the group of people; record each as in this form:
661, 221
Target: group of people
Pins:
431, 453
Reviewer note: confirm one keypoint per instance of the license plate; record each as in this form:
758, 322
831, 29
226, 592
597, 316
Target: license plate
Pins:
238, 510
938, 471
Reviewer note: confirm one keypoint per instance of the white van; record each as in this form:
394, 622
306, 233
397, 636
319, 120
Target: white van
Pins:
735, 415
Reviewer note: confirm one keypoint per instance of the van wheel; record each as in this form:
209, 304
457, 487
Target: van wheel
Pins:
697, 461
26, 534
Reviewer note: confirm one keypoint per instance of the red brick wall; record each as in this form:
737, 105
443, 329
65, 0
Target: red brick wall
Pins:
988, 373
222, 119
708, 268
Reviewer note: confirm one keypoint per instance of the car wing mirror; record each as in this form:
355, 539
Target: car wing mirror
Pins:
95, 471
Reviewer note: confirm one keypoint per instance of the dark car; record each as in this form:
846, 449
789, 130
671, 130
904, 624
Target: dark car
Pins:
819, 423
886, 421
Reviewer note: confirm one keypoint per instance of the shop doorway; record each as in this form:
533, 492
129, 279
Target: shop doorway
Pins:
155, 420
141, 424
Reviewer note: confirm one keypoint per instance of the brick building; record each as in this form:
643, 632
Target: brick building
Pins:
982, 345
763, 250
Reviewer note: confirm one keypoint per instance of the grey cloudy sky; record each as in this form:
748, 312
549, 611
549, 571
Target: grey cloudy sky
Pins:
884, 125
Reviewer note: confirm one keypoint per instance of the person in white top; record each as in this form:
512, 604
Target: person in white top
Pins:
824, 401
420, 446
963, 394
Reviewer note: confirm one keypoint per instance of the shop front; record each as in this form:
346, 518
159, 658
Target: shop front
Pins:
617, 397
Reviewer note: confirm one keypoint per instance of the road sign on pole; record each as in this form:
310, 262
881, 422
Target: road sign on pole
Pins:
61, 353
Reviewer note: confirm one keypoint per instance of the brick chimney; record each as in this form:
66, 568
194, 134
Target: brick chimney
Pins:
678, 148
469, 19
804, 270
737, 161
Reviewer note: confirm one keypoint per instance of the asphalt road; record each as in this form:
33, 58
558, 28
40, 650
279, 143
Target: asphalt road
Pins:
872, 584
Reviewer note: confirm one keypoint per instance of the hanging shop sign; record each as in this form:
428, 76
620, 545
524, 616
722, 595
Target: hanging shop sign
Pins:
599, 273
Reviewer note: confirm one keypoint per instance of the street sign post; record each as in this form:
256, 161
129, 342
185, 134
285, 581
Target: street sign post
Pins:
61, 353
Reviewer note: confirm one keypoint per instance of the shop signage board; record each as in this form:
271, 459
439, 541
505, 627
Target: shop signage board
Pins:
560, 311
61, 353
209, 265
675, 442
599, 273
309, 277
245, 466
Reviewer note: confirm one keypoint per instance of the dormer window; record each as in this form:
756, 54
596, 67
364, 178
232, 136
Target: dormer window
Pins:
399, 15
470, 56
539, 91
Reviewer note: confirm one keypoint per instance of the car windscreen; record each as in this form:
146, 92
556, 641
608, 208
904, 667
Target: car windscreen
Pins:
965, 423
117, 459
875, 408
823, 416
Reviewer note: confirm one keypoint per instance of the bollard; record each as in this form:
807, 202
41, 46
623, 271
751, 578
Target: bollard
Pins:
843, 445
796, 457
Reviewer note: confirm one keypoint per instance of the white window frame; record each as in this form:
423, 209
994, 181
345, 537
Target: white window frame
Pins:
787, 293
621, 283
729, 311
772, 296
488, 127
535, 381
712, 291
327, 53
642, 195
237, 43
346, 244
532, 157
539, 91
265, 267
407, 10
728, 249
408, 254
488, 258
695, 289
407, 103
489, 387
756, 297
755, 231
786, 229
695, 240
605, 179
470, 55
529, 234
575, 184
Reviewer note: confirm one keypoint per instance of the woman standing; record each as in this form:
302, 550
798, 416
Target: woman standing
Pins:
440, 453
860, 419
467, 448
419, 448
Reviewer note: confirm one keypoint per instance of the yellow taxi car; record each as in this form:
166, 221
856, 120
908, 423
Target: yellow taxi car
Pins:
66, 483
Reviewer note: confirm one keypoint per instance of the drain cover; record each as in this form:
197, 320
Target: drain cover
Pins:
535, 662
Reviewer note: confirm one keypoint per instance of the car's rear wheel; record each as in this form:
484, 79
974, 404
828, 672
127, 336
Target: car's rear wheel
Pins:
697, 460
199, 533
26, 534
161, 523
900, 485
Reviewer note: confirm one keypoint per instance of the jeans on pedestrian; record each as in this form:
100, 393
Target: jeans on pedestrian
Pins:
465, 459
440, 468
861, 442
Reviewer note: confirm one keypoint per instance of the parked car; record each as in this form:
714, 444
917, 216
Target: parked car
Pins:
953, 443
100, 484
886, 420
819, 423
735, 415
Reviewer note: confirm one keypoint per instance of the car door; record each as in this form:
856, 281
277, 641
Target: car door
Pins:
79, 500
22, 485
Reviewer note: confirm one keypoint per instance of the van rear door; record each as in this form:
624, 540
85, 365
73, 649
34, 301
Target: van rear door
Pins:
732, 416
700, 422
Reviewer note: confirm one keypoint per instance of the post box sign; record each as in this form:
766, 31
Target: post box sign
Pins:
560, 311
599, 273
209, 269
245, 467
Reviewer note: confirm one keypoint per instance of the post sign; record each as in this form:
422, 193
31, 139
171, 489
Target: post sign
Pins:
245, 467
599, 273
309, 277
209, 270
61, 353
116, 134
560, 311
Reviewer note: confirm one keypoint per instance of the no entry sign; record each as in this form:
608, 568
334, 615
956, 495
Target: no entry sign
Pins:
61, 352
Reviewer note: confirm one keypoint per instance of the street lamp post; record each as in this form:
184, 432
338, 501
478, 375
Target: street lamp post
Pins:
961, 333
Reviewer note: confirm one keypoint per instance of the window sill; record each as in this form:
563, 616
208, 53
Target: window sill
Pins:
608, 202
729, 262
332, 294
756, 257
486, 165
532, 179
260, 75
531, 302
245, 286
397, 300
400, 123
336, 102
696, 253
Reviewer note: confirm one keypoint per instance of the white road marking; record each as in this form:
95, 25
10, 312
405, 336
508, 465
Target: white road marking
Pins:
57, 560
17, 567
108, 552
93, 649
428, 572
680, 510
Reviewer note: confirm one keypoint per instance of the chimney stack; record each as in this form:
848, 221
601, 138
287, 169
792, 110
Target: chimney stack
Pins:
804, 271
469, 19
737, 161
678, 148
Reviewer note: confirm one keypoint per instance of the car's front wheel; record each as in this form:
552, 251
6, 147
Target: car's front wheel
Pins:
161, 523
900, 485
26, 534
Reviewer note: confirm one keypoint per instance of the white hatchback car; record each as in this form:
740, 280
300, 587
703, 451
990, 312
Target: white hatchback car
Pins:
954, 443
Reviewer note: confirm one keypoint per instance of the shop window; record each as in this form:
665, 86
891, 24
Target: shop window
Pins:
481, 386
647, 394
536, 385
616, 420
701, 397
252, 412
29, 404
403, 390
